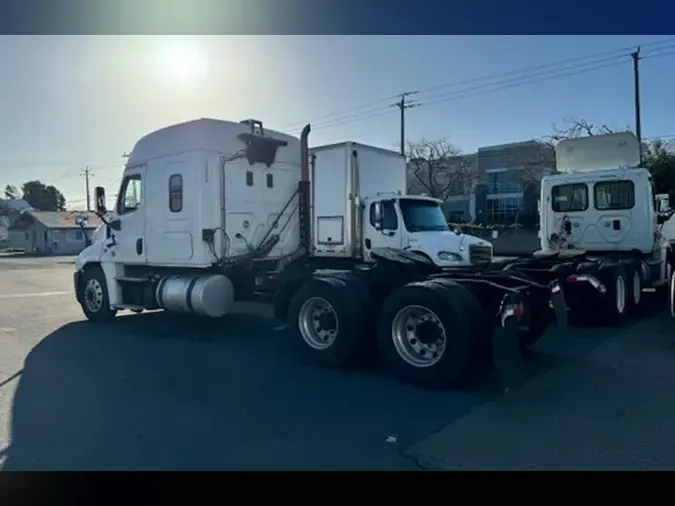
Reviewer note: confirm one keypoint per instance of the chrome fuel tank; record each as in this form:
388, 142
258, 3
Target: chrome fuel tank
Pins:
209, 295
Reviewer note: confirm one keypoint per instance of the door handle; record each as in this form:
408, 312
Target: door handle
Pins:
139, 246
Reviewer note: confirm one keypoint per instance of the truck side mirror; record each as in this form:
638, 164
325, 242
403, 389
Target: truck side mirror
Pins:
99, 193
116, 225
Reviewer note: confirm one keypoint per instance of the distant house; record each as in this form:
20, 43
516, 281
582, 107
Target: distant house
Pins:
10, 211
52, 232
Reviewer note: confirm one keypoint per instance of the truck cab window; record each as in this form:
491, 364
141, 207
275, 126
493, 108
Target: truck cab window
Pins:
385, 212
614, 195
569, 198
131, 194
389, 217
422, 215
175, 193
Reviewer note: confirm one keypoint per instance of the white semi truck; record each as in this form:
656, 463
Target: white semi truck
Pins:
600, 224
360, 203
211, 212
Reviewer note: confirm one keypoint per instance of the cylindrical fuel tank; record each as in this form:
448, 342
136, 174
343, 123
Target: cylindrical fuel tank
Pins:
209, 295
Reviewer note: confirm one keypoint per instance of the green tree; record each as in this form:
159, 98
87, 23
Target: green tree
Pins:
43, 197
660, 161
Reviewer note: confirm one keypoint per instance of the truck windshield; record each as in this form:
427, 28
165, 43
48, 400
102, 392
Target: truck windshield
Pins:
422, 215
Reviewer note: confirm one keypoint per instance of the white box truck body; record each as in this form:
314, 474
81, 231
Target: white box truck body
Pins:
353, 183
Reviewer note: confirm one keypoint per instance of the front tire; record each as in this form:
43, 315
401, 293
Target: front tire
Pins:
94, 296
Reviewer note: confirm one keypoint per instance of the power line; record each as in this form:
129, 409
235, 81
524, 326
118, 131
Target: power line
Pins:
504, 84
346, 115
565, 62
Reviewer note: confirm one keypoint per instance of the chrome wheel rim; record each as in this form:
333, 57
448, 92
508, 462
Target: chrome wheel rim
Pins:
672, 295
620, 294
93, 295
419, 336
637, 288
318, 323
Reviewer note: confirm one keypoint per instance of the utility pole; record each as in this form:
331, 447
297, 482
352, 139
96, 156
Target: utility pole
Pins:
402, 104
86, 173
636, 86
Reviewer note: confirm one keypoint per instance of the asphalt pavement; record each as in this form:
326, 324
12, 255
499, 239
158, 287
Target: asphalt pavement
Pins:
155, 391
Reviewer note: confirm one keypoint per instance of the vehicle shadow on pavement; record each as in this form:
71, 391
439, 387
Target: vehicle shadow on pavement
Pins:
156, 391
159, 391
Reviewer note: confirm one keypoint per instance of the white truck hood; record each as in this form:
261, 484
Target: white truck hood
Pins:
434, 244
446, 240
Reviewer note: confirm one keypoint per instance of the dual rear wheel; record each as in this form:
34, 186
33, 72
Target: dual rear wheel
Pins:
424, 333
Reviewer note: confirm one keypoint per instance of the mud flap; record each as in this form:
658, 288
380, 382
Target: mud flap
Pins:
559, 305
507, 358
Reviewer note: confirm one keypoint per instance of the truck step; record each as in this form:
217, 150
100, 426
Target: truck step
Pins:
131, 279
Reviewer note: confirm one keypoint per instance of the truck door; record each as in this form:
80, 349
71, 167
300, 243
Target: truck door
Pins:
130, 209
382, 227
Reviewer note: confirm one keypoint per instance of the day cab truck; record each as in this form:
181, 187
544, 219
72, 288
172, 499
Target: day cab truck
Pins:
600, 224
211, 212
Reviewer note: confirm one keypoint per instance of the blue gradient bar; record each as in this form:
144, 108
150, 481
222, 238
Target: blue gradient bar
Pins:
334, 17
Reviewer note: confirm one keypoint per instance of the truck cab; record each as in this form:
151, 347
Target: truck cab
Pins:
417, 223
360, 203
600, 200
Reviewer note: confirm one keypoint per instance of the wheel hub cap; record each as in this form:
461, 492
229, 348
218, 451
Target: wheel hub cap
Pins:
419, 336
318, 323
93, 295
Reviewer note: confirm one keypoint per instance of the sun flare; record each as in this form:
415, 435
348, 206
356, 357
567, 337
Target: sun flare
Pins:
183, 61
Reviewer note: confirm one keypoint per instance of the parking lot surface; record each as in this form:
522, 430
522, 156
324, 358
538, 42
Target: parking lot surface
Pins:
156, 391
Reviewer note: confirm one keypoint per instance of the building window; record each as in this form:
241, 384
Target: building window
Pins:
130, 195
249, 178
505, 210
614, 195
270, 180
176, 193
569, 198
503, 181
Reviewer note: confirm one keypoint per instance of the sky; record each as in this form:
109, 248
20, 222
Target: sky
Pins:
68, 102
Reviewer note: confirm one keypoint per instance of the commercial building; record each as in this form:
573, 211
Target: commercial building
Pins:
497, 184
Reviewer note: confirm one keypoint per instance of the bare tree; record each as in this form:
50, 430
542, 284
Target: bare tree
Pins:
573, 128
11, 192
439, 168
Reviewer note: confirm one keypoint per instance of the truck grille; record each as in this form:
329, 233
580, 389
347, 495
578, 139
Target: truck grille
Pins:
480, 254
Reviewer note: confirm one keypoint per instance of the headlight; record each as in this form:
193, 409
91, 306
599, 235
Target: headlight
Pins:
446, 256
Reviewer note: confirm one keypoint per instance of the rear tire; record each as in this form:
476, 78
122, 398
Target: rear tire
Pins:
326, 318
634, 287
94, 296
477, 318
614, 305
424, 337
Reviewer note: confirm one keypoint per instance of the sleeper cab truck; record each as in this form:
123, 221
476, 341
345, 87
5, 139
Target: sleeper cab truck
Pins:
211, 212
